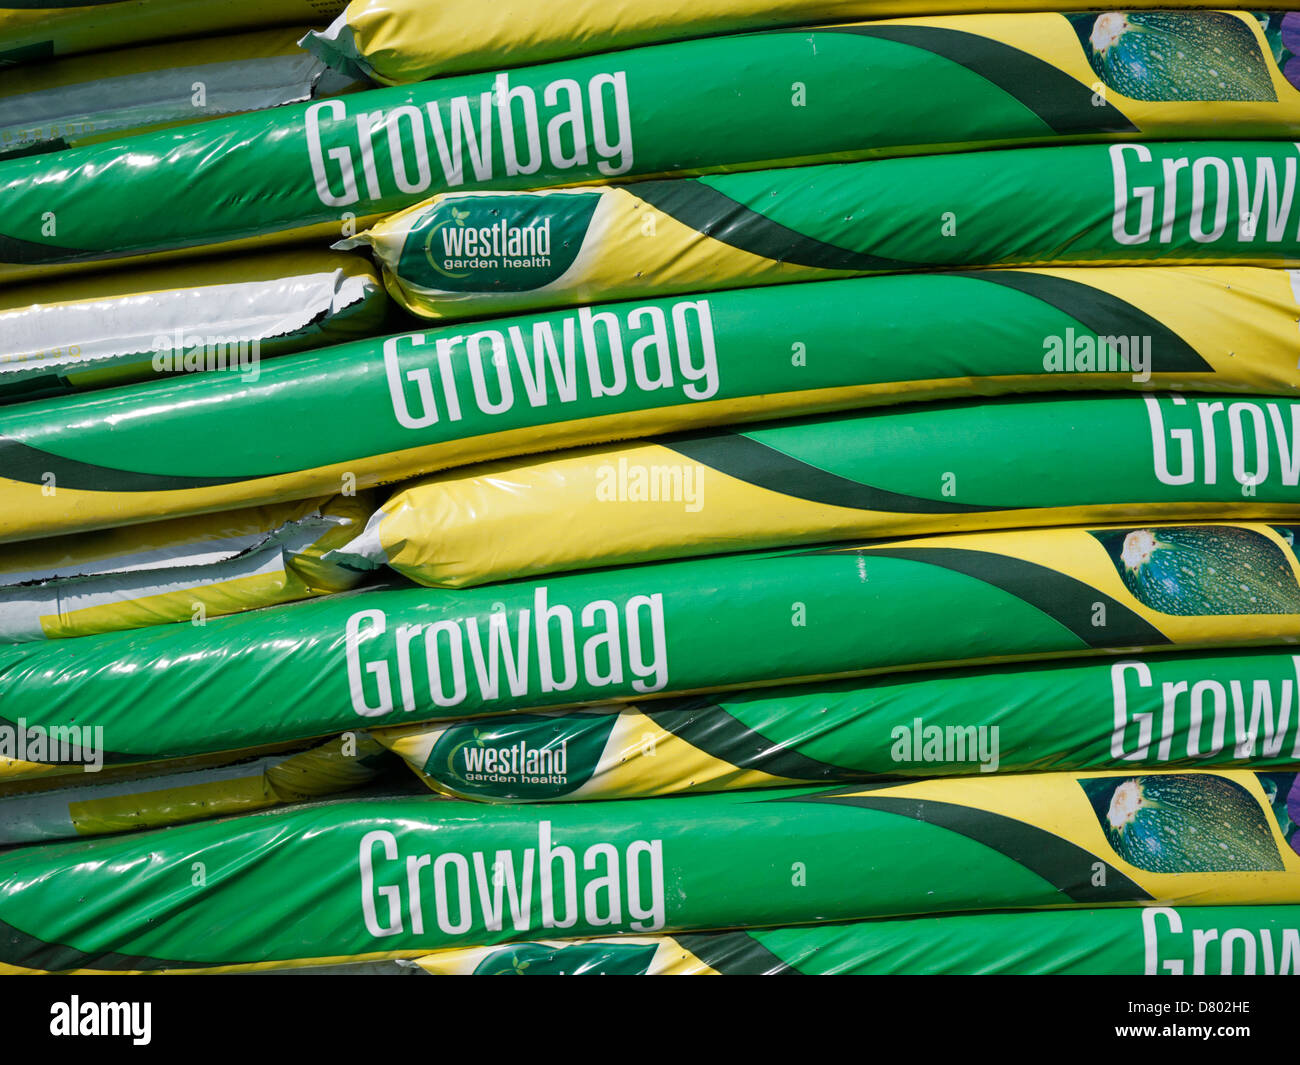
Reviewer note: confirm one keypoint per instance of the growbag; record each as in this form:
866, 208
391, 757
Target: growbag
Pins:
224, 314
33, 31
152, 797
357, 880
474, 253
1146, 941
407, 655
416, 403
396, 41
82, 100
909, 470
723, 103
1162, 710
185, 569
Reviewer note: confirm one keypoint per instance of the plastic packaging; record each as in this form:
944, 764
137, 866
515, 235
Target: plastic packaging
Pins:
416, 403
185, 569
1146, 941
408, 655
904, 471
396, 41
225, 314
1159, 711
365, 880
721, 103
82, 100
37, 30
153, 797
474, 253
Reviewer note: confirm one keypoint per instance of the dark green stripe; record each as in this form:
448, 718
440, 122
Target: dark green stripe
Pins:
1058, 595
748, 460
735, 954
109, 757
31, 253
39, 5
714, 214
19, 948
20, 462
29, 53
40, 148
709, 728
1064, 104
1067, 867
1105, 315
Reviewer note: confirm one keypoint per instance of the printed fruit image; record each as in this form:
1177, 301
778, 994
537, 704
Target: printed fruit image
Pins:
1283, 793
1183, 823
1175, 55
1198, 570
1282, 31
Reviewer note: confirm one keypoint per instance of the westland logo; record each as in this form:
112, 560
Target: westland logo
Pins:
510, 763
564, 959
495, 242
530, 756
458, 247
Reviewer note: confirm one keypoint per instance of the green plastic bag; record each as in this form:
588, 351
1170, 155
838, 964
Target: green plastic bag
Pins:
391, 877
721, 103
1161, 710
410, 655
415, 403
475, 253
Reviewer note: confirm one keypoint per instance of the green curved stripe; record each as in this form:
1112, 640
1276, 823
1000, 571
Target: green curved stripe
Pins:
1061, 597
1067, 867
39, 5
735, 954
20, 949
1064, 104
709, 728
21, 462
109, 757
29, 53
1105, 315
56, 144
755, 463
714, 214
32, 253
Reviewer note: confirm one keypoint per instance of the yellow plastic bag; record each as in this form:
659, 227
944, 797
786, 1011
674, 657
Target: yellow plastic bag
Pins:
225, 314
184, 569
906, 471
69, 102
151, 796
399, 41
42, 29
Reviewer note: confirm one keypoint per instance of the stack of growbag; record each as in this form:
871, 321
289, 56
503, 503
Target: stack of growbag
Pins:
211, 316
838, 513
